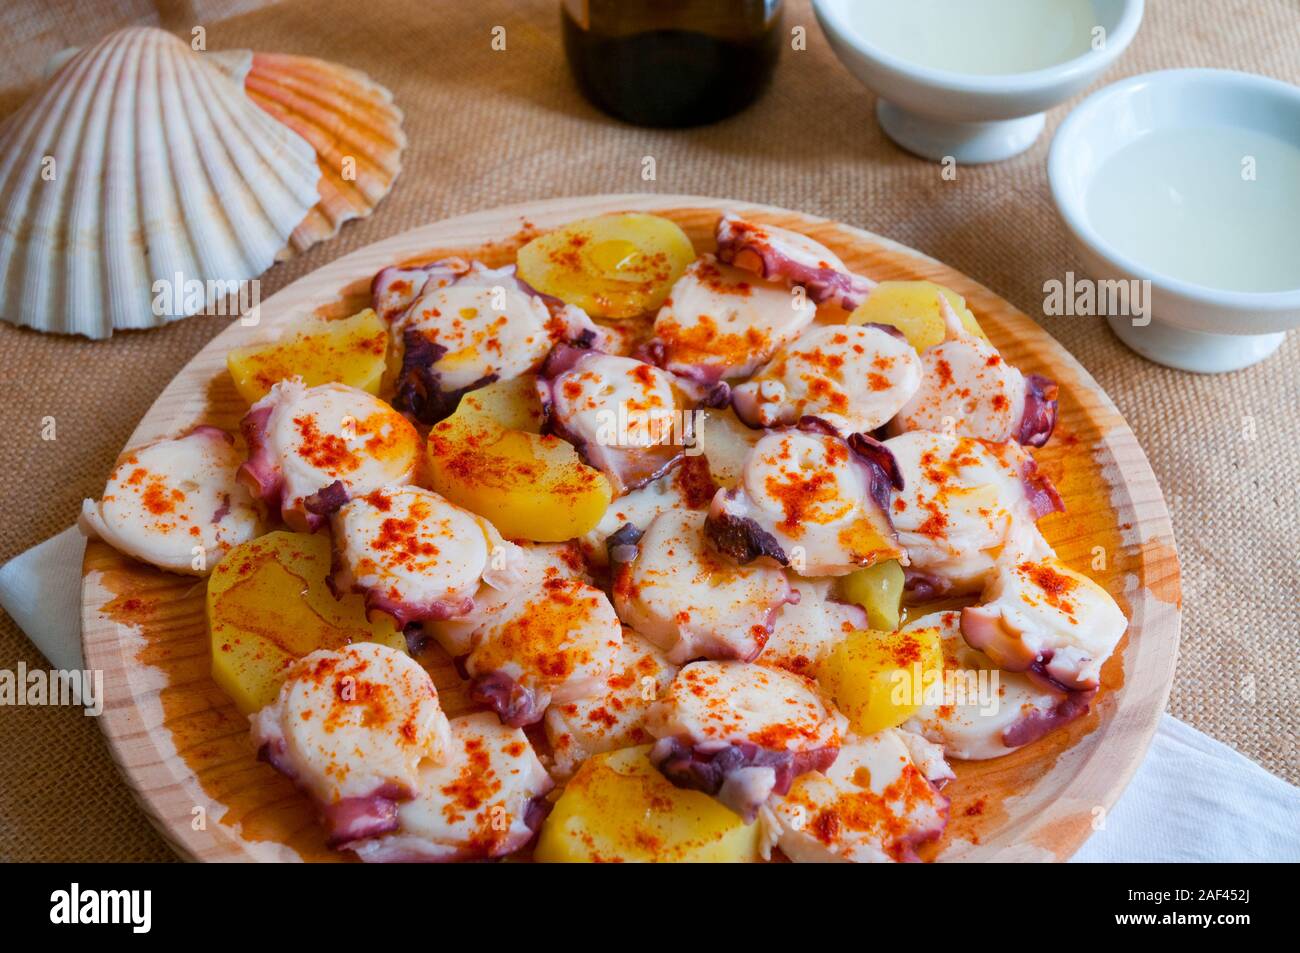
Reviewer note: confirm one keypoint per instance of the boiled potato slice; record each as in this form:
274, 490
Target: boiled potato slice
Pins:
268, 605
528, 486
513, 404
879, 590
618, 807
913, 308
876, 678
350, 351
611, 266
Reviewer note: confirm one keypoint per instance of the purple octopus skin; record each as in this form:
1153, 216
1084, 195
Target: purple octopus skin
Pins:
395, 289
909, 842
739, 245
886, 476
1039, 491
404, 613
1037, 723
514, 704
383, 853
627, 467
621, 545
259, 472
707, 767
1039, 418
742, 538
350, 819
419, 387
326, 501
921, 587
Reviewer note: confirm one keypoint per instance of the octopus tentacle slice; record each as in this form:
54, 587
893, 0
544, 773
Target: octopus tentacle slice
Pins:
687, 486
874, 804
484, 800
806, 630
811, 501
175, 503
553, 644
394, 289
1043, 618
549, 637
778, 254
480, 326
623, 415
351, 728
969, 390
613, 717
303, 440
416, 556
691, 602
967, 504
742, 732
1015, 712
720, 322
855, 377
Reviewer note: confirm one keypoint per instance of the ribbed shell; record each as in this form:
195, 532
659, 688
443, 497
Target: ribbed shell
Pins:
162, 166
344, 114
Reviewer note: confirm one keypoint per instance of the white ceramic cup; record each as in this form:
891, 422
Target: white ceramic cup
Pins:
1191, 327
971, 118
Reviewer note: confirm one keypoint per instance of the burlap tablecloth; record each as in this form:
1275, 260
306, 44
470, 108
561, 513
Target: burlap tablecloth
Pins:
492, 127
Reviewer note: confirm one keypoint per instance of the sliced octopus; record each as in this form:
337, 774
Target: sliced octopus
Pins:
692, 602
550, 637
874, 804
352, 727
984, 712
613, 717
969, 390
742, 732
481, 326
778, 254
415, 556
806, 630
1043, 618
854, 377
811, 501
720, 322
966, 505
176, 503
485, 800
622, 415
311, 449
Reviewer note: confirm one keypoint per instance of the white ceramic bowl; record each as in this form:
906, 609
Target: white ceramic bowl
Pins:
972, 118
1193, 327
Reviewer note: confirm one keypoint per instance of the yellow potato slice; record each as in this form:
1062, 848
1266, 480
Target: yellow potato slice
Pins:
877, 678
879, 590
513, 404
268, 604
528, 486
913, 308
611, 266
618, 807
350, 351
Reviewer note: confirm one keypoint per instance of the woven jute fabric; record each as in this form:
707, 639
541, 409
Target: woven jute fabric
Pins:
490, 127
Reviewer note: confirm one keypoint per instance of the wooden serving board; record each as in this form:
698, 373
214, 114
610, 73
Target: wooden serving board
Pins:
184, 749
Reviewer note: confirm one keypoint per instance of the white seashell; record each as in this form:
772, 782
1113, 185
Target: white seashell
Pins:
349, 119
139, 162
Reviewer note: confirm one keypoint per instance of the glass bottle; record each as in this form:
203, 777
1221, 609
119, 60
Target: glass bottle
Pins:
671, 62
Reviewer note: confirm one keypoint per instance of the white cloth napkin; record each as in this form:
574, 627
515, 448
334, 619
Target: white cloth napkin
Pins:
1193, 798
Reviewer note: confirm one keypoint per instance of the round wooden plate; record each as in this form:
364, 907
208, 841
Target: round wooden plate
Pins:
184, 749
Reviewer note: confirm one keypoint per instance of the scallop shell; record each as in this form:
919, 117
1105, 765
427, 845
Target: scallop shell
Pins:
138, 162
348, 118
